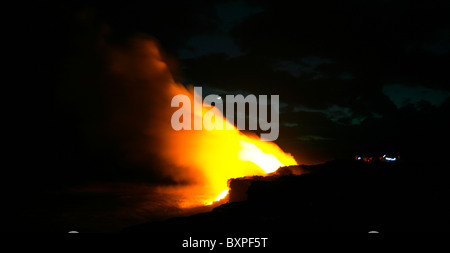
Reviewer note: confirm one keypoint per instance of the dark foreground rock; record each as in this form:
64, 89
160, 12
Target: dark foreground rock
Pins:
338, 200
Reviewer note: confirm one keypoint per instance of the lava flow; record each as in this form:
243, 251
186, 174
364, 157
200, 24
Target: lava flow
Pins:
199, 162
218, 155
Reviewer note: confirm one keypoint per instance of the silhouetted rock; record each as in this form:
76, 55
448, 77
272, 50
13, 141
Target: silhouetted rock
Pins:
340, 199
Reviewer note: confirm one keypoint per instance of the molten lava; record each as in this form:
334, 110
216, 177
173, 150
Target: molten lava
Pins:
221, 196
200, 162
218, 155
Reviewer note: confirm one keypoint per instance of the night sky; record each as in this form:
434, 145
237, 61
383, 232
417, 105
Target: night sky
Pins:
352, 76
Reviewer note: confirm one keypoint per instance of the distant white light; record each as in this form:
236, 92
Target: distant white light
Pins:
384, 155
390, 159
359, 158
219, 97
73, 232
373, 232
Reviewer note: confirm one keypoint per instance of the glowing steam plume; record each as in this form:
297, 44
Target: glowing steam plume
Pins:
201, 160
218, 155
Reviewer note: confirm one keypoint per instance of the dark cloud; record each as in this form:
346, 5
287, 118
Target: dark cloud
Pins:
350, 64
402, 95
229, 15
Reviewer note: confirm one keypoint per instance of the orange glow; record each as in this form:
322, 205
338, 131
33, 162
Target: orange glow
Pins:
214, 156
250, 152
200, 162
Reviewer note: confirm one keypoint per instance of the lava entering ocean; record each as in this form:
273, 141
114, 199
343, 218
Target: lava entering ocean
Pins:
202, 161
